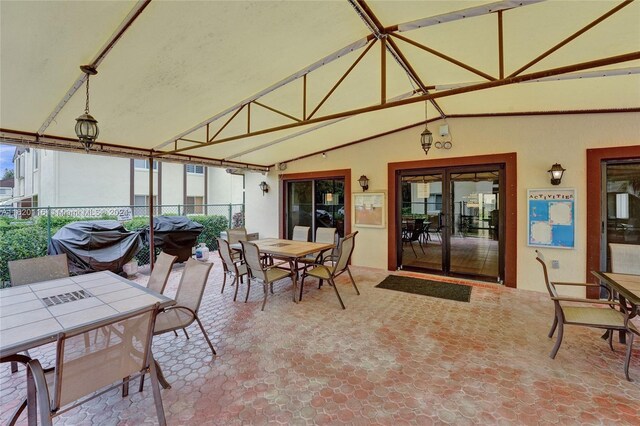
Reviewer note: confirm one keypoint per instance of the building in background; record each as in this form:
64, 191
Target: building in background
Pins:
63, 179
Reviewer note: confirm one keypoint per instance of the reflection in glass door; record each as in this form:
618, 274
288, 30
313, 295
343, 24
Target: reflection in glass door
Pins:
450, 221
621, 188
317, 203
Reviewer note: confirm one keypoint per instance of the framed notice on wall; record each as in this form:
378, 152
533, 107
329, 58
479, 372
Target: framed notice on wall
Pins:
368, 209
551, 218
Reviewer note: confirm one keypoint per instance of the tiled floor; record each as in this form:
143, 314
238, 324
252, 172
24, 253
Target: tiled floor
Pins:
390, 358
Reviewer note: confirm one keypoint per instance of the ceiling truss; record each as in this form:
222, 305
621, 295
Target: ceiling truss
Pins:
387, 37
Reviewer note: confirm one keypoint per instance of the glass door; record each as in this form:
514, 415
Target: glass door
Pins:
621, 205
316, 203
450, 221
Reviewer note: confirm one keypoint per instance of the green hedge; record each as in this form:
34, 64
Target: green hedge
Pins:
26, 238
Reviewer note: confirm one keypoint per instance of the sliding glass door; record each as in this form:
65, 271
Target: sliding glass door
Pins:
450, 221
316, 203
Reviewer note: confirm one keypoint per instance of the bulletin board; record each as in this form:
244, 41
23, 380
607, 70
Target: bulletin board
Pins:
551, 218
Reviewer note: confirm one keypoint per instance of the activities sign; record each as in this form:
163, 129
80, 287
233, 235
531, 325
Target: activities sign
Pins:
551, 218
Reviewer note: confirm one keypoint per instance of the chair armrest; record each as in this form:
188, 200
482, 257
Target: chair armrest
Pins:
36, 379
591, 301
577, 284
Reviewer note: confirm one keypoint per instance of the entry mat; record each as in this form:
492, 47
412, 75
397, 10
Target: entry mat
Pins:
442, 290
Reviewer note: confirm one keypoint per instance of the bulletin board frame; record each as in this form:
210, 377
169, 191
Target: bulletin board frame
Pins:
551, 218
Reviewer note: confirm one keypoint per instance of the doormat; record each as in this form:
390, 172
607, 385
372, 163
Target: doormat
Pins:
442, 290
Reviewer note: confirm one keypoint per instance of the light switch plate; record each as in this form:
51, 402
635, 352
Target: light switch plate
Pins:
555, 264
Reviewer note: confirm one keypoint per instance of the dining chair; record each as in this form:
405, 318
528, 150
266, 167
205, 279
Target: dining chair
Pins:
325, 236
188, 299
587, 316
161, 271
301, 233
625, 258
259, 271
29, 271
36, 269
234, 236
234, 268
329, 273
414, 235
83, 370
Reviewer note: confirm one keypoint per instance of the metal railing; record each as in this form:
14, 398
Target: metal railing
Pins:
26, 232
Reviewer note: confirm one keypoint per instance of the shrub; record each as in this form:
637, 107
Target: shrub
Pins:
21, 243
212, 226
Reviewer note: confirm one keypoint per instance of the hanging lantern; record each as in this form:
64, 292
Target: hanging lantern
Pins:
87, 126
426, 137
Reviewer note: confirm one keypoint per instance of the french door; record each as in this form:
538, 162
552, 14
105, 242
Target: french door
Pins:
451, 221
620, 206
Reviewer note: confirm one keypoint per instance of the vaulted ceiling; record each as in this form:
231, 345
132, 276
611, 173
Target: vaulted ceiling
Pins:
262, 82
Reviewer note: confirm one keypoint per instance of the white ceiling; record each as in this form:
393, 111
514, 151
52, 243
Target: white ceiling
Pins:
182, 62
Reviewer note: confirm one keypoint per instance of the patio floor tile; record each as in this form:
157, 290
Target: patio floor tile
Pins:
390, 358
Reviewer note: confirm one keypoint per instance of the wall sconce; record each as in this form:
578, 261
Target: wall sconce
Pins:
364, 182
264, 187
556, 173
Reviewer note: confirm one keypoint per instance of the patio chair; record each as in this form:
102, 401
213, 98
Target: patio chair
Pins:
301, 233
234, 236
82, 371
329, 273
587, 316
625, 258
414, 235
29, 271
235, 268
188, 299
325, 236
160, 273
36, 269
259, 271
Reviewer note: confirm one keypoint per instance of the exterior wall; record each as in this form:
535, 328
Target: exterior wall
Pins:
141, 182
195, 185
90, 180
224, 187
172, 184
538, 141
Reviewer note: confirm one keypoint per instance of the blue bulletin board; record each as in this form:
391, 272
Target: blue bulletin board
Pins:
551, 215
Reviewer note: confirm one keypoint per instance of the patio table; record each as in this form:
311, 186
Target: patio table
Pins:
627, 287
290, 250
33, 315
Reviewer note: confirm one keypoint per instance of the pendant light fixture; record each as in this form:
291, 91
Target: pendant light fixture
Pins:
426, 138
87, 126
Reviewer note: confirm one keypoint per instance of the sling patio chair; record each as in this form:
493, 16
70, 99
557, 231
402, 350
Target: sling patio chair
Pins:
234, 268
326, 236
83, 370
259, 271
300, 233
188, 299
37, 269
587, 316
161, 270
329, 273
625, 258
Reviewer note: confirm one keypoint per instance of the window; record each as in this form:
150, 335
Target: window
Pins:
36, 159
194, 205
193, 168
144, 164
141, 203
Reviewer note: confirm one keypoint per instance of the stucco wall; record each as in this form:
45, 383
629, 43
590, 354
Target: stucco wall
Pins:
538, 141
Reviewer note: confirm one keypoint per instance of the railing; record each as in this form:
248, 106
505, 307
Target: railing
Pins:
26, 232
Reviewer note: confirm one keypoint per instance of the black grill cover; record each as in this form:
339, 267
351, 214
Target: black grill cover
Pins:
175, 235
98, 245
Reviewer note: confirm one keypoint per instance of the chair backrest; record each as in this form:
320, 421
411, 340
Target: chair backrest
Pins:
29, 271
300, 233
418, 229
252, 259
225, 254
345, 251
161, 270
90, 360
625, 258
192, 283
236, 235
326, 235
550, 287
